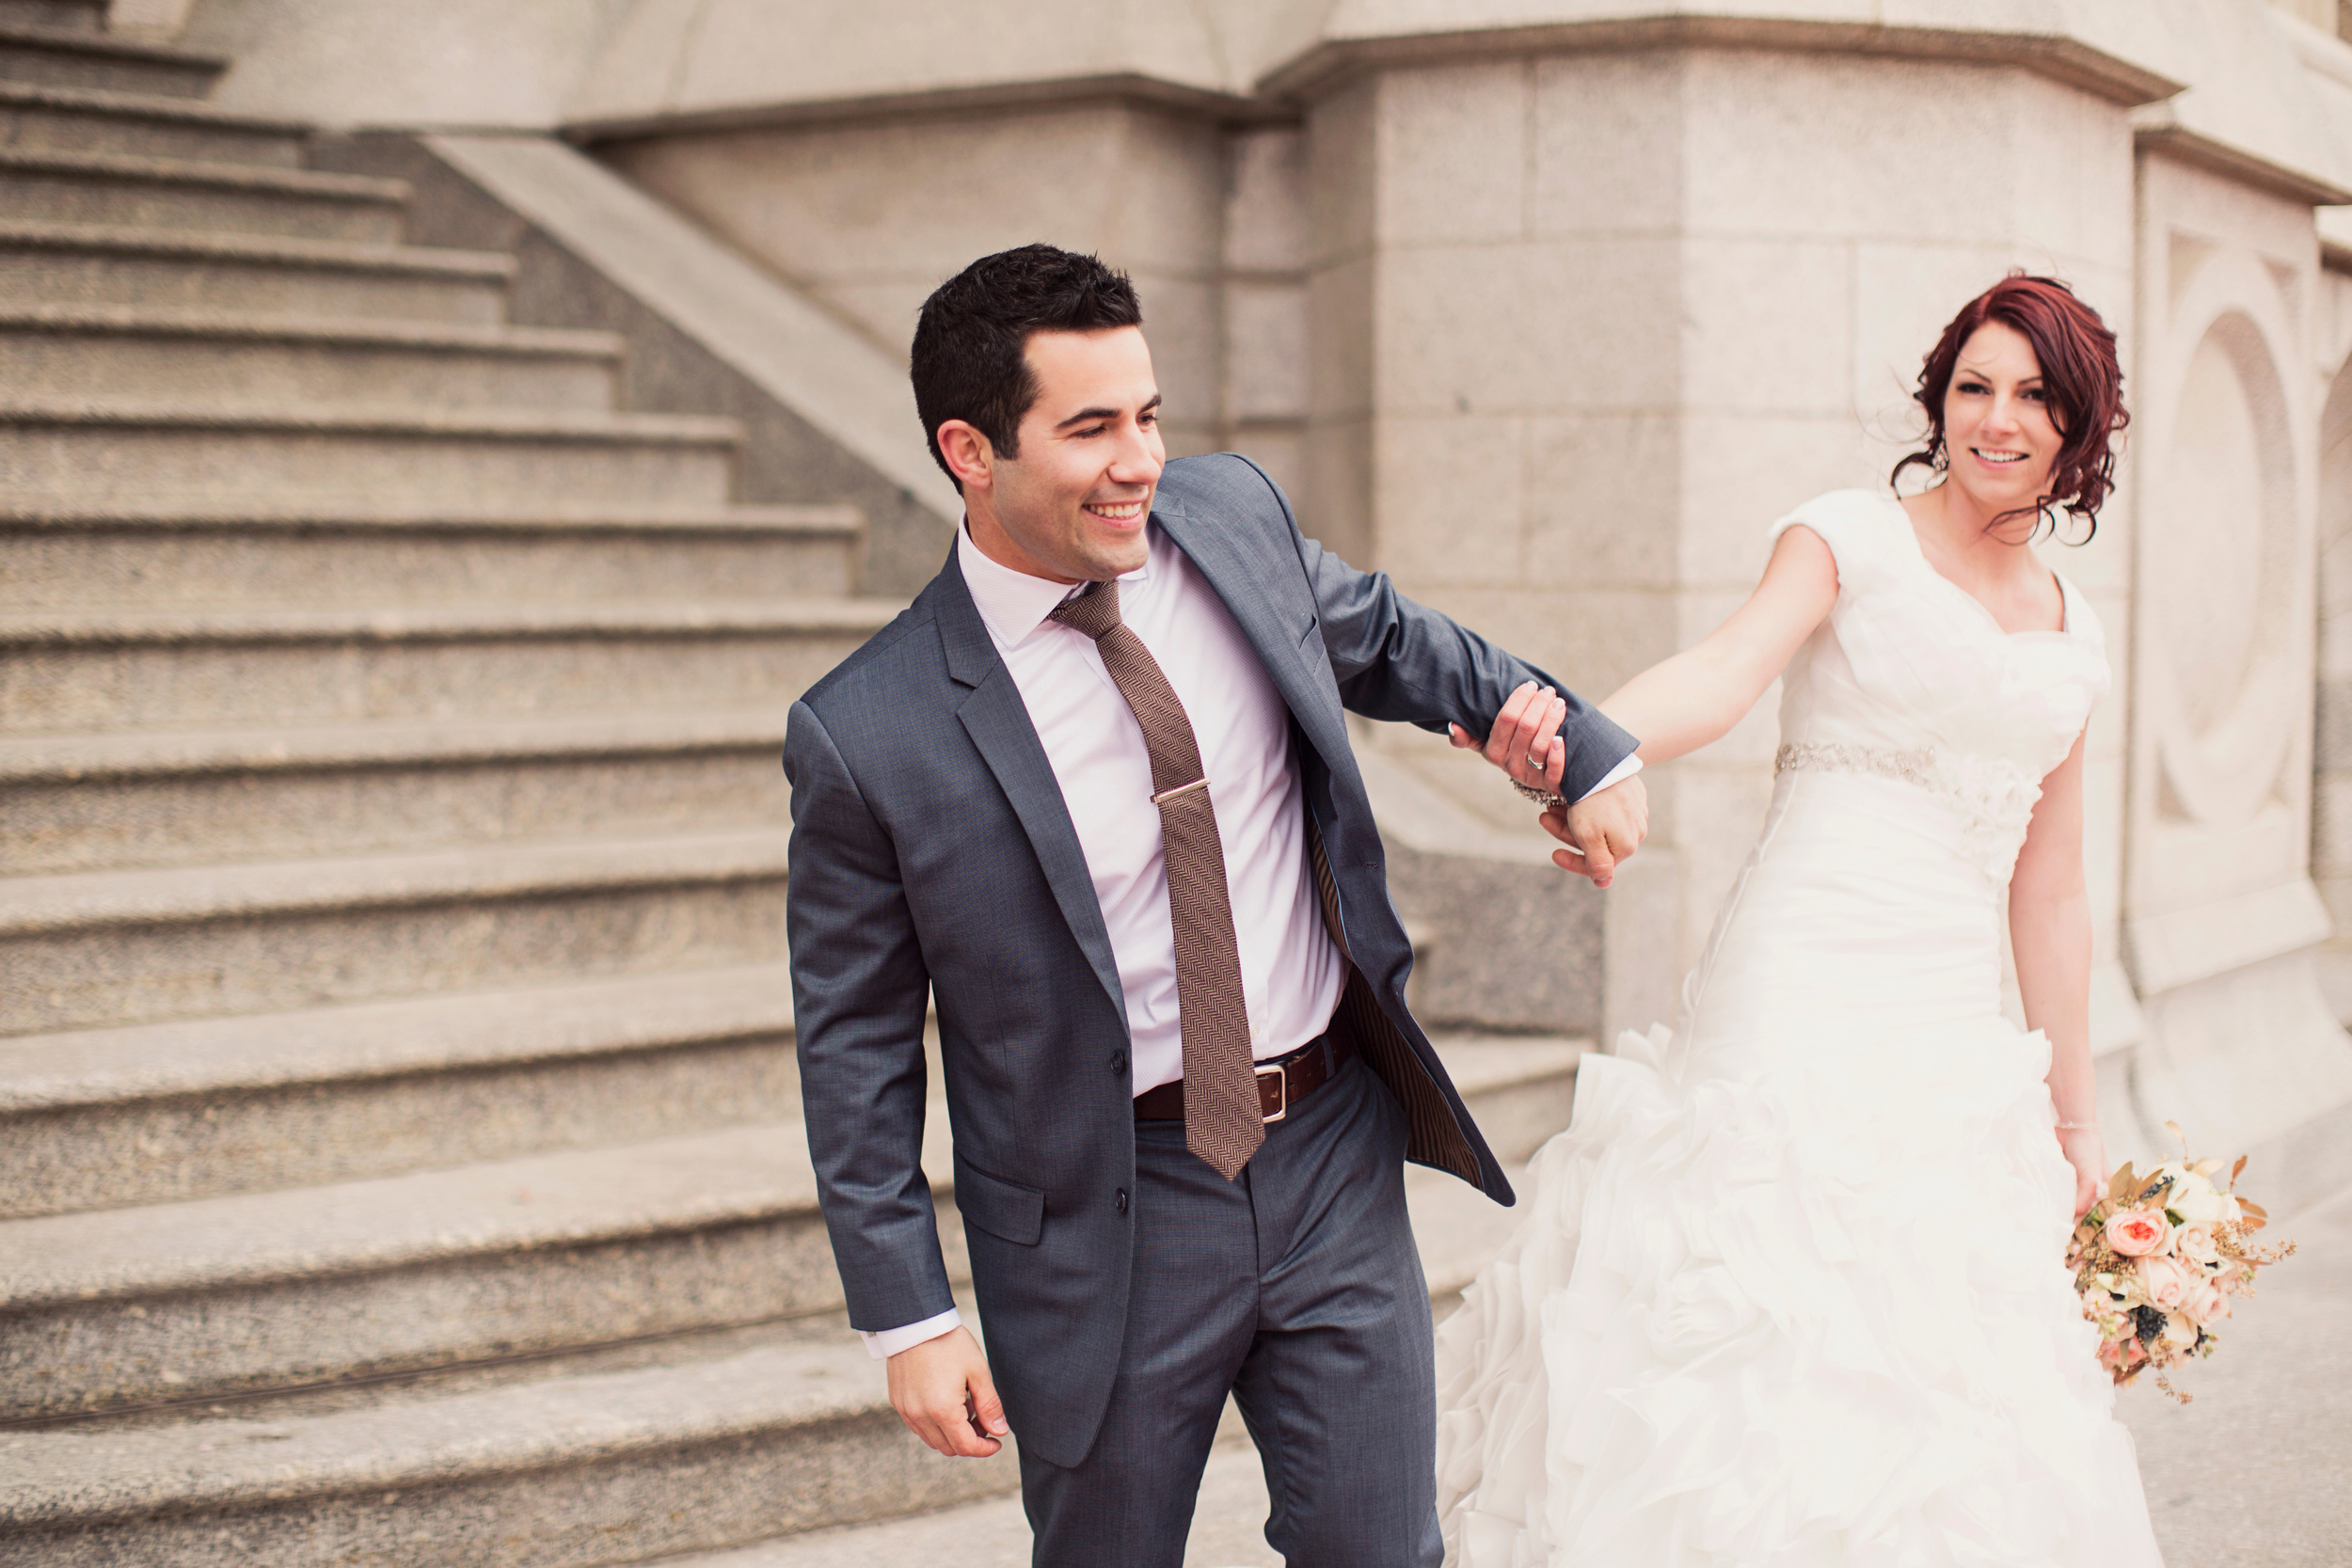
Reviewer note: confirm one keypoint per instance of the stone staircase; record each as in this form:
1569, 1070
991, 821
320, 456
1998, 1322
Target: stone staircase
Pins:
400, 1154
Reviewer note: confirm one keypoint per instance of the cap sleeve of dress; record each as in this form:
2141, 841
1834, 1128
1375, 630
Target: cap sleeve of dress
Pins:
2088, 634
1858, 527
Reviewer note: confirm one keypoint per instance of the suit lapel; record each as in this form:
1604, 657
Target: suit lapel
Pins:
1276, 626
998, 723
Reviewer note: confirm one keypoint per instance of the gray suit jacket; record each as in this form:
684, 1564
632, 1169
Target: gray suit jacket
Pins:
932, 855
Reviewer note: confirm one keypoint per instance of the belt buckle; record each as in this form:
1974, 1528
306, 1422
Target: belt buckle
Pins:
1281, 1076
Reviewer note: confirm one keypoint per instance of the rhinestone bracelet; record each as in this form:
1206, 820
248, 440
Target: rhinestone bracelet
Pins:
1541, 796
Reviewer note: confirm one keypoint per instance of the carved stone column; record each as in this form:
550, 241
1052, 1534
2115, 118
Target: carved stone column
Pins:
2221, 918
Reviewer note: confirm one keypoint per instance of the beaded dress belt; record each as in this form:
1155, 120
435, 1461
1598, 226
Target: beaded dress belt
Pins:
1283, 1082
1843, 756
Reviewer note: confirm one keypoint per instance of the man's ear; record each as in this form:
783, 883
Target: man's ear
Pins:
971, 455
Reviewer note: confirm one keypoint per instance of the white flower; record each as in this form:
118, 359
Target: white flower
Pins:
2196, 1203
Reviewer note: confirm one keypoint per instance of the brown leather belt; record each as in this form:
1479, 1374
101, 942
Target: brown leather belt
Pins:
1283, 1082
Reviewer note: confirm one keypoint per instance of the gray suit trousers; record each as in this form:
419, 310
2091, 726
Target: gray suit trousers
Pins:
1298, 1287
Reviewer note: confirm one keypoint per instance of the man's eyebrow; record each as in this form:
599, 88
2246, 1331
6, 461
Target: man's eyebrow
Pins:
1086, 416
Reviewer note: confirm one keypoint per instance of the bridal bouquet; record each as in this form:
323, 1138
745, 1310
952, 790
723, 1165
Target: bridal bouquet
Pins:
2158, 1259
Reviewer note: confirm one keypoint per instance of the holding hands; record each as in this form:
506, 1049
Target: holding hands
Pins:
1600, 830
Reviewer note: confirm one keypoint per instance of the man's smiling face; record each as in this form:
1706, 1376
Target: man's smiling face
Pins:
1074, 504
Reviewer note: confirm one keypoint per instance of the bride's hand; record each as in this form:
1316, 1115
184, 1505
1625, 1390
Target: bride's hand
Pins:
2088, 1156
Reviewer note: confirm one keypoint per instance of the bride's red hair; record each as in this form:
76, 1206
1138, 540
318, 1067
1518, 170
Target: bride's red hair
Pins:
2080, 377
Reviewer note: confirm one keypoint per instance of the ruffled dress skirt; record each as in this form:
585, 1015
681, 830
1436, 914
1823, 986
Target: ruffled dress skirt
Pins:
1791, 1291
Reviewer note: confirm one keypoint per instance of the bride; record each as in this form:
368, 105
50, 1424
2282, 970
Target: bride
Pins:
1790, 1291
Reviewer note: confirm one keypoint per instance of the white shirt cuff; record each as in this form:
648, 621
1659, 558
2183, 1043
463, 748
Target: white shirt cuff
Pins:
1618, 774
890, 1341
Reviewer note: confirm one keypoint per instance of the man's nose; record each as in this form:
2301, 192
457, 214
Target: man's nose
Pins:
1135, 463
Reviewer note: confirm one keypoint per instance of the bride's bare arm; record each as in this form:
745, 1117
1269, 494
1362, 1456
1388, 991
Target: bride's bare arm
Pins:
2049, 930
1682, 703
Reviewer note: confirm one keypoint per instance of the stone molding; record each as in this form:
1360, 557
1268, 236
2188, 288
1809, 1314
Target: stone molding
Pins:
2169, 951
2199, 150
1118, 86
1331, 65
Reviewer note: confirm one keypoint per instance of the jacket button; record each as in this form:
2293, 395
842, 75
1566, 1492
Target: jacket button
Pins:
1121, 1200
1118, 1062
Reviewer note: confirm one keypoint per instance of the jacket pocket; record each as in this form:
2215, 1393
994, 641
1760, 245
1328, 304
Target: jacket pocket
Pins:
1003, 1208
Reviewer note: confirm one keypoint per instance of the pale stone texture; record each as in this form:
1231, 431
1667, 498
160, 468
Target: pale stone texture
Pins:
2220, 913
2331, 805
871, 216
1623, 309
1547, 307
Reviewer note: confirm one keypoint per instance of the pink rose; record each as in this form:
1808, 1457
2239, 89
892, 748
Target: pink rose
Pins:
2205, 1304
2168, 1284
2137, 1232
2195, 1242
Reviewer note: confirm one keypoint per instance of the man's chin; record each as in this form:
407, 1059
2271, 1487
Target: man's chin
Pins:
1114, 551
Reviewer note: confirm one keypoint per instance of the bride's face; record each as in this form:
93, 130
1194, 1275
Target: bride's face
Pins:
1999, 434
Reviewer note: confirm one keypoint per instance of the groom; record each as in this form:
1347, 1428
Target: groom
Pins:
1093, 795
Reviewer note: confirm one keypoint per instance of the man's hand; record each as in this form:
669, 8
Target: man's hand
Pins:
1524, 741
942, 1390
1601, 830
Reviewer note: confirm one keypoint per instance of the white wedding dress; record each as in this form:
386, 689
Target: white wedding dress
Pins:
1790, 1291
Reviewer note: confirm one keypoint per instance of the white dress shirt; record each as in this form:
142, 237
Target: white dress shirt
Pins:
1291, 969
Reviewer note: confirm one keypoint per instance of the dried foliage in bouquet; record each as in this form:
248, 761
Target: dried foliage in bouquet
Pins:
2158, 1259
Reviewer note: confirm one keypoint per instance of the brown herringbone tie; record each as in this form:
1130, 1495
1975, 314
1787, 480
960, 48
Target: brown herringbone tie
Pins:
1222, 1122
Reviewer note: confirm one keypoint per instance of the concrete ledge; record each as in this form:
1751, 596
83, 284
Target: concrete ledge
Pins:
78, 40
1330, 65
309, 184
563, 1471
556, 518
141, 321
2194, 147
285, 250
150, 754
581, 1196
385, 1040
429, 623
202, 1108
137, 105
527, 424
97, 900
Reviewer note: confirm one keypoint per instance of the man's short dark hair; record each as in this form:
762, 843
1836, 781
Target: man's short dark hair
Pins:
969, 361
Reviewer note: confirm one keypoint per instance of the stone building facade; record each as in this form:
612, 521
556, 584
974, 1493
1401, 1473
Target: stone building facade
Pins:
1547, 307
439, 438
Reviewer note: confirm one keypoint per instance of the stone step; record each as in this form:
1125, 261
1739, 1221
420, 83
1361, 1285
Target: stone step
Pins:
135, 351
92, 119
99, 451
73, 670
1520, 1089
278, 1288
314, 557
39, 185
64, 264
95, 803
1229, 1520
79, 16
713, 1228
70, 54
690, 1454
135, 946
162, 1112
